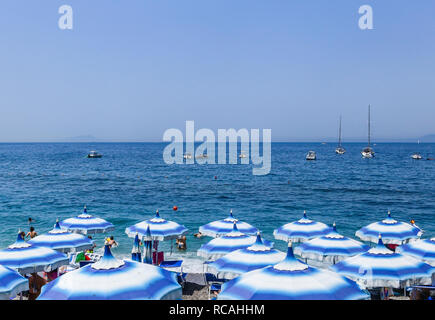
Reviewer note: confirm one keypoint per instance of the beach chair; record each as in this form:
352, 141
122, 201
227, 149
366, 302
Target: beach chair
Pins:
213, 282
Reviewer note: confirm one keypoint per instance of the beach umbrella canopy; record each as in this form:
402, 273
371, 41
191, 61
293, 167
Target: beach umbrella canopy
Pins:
291, 280
381, 267
331, 248
27, 258
86, 224
160, 228
221, 227
62, 240
136, 254
302, 230
113, 279
232, 241
420, 249
11, 283
256, 256
393, 231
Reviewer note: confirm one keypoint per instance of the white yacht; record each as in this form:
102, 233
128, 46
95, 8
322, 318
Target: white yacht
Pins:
416, 156
339, 149
187, 156
368, 152
311, 155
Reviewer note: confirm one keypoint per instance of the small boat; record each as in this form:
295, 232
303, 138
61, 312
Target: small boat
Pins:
202, 156
368, 152
187, 156
242, 155
311, 155
339, 149
416, 156
94, 154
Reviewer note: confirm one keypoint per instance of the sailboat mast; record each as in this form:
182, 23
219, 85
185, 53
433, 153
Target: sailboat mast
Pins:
339, 134
369, 125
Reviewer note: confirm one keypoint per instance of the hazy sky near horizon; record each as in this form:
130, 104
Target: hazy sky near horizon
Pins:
129, 70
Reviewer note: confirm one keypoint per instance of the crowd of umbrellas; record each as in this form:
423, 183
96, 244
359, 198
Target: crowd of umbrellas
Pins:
320, 263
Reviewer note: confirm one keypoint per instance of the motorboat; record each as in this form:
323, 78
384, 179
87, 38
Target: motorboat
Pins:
187, 156
311, 155
416, 156
94, 154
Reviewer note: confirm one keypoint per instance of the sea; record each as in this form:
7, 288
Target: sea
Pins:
49, 181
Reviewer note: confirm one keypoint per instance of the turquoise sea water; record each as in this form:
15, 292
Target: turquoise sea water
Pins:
54, 180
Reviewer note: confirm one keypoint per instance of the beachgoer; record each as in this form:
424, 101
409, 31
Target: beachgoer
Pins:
93, 246
32, 233
198, 235
111, 242
181, 243
36, 282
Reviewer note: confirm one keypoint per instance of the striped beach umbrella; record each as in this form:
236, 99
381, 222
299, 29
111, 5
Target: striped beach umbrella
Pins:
420, 249
86, 224
113, 279
136, 254
11, 283
62, 240
393, 231
160, 228
381, 267
330, 249
221, 227
256, 256
302, 230
291, 280
234, 240
27, 258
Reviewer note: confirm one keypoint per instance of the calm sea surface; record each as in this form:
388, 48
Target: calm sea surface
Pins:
54, 180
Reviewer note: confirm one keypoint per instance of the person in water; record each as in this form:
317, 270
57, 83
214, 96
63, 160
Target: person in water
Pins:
32, 233
181, 243
198, 235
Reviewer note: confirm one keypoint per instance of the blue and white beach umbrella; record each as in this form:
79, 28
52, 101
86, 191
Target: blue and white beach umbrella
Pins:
330, 249
86, 224
302, 230
291, 280
221, 227
420, 249
27, 258
113, 279
381, 267
11, 283
393, 231
136, 254
256, 256
62, 240
232, 241
160, 228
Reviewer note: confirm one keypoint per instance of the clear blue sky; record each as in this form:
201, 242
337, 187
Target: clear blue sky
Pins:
131, 69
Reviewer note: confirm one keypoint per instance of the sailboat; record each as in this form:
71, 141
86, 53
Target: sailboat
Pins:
368, 152
339, 149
